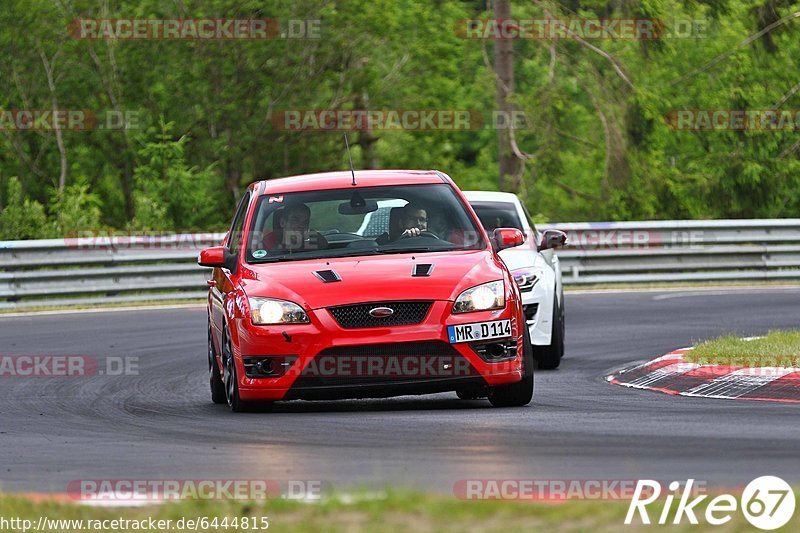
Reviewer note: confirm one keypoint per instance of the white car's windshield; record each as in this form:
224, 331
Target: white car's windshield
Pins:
495, 215
360, 221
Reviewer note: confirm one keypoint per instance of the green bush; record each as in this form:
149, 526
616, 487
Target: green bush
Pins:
169, 194
76, 209
22, 218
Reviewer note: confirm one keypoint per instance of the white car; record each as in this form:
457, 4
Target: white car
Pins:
535, 267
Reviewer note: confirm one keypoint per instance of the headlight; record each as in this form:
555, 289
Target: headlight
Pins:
271, 311
526, 278
481, 298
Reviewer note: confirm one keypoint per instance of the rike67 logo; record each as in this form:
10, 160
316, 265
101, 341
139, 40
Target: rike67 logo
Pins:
767, 502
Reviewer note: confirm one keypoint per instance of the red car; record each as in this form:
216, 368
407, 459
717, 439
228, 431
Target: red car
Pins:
363, 285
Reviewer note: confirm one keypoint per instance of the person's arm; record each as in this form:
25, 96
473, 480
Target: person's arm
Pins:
411, 232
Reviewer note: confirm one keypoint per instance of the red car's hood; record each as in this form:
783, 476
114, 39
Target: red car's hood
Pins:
372, 278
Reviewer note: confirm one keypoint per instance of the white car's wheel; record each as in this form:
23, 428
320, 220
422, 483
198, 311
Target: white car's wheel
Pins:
549, 357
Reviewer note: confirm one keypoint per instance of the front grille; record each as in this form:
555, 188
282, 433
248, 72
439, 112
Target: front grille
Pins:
385, 364
357, 316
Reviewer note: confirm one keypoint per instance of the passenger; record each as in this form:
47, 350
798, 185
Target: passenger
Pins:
293, 230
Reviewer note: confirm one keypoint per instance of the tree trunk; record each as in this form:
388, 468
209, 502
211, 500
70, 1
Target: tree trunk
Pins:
62, 151
366, 139
510, 165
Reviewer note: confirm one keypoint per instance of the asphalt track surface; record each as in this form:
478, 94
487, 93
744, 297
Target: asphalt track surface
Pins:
160, 424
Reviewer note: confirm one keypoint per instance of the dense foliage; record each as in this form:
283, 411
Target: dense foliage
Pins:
596, 143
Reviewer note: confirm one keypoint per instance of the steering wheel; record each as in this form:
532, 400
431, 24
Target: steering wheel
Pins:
423, 233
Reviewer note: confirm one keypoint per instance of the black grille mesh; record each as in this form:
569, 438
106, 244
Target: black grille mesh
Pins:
420, 348
357, 316
379, 364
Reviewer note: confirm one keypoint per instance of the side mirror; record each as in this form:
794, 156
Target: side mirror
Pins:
507, 238
552, 238
217, 257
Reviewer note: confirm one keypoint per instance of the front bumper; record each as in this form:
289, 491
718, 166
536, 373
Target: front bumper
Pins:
538, 307
323, 360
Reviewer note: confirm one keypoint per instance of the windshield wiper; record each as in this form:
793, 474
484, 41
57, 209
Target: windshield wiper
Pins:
282, 258
412, 249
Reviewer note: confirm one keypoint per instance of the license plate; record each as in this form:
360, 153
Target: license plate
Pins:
479, 331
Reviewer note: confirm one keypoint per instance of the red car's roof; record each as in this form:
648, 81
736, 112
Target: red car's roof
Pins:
343, 179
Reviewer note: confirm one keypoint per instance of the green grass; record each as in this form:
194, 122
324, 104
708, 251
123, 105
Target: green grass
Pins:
397, 511
776, 348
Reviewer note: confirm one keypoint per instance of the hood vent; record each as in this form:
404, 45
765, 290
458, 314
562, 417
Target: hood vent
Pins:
327, 276
422, 270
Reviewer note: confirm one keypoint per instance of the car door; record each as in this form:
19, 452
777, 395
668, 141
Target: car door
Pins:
222, 282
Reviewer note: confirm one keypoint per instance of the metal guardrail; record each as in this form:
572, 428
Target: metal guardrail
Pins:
105, 268
680, 250
144, 268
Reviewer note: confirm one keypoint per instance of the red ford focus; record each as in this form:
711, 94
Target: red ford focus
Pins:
363, 285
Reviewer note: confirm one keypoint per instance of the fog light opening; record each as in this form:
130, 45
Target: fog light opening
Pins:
267, 366
493, 352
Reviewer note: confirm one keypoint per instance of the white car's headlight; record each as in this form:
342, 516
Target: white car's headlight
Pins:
526, 278
271, 311
481, 298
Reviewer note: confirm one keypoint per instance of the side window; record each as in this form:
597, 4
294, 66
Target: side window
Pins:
528, 217
235, 239
534, 232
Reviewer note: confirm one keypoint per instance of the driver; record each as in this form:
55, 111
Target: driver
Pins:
413, 220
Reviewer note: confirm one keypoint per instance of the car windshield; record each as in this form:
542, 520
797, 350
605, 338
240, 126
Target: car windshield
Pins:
495, 215
360, 221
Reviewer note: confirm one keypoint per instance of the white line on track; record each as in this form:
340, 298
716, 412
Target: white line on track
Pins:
677, 292
102, 310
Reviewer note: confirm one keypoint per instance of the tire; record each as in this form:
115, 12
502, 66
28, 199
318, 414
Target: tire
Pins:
215, 378
230, 379
563, 317
471, 393
549, 357
519, 393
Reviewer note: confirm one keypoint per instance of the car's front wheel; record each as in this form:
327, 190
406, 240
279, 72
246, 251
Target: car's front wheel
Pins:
215, 377
230, 379
520, 393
